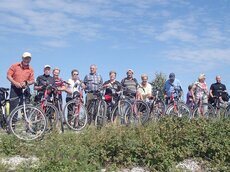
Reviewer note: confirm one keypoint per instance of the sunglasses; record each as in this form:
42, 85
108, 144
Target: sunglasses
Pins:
75, 74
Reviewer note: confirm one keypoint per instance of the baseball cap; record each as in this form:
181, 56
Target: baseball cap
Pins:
172, 75
47, 66
26, 54
130, 70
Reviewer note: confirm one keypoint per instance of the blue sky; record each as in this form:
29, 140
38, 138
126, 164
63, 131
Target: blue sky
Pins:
185, 37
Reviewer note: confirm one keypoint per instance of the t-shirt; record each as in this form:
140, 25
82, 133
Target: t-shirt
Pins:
93, 82
144, 91
169, 87
44, 80
217, 88
116, 85
59, 83
20, 73
72, 87
131, 84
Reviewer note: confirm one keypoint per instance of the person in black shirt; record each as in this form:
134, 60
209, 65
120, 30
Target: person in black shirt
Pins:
218, 90
112, 82
42, 81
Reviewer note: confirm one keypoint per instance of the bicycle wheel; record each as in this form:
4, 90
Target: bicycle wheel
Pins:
101, 117
227, 112
181, 110
157, 110
52, 115
140, 112
27, 123
204, 110
91, 109
121, 112
75, 115
220, 112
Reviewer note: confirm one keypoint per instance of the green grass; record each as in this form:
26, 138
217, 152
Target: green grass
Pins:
156, 146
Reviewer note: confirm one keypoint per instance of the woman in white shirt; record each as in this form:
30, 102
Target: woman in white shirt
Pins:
74, 85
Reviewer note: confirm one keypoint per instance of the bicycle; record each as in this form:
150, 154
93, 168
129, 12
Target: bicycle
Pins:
75, 113
176, 107
219, 106
122, 109
156, 105
48, 107
3, 108
26, 121
203, 110
140, 109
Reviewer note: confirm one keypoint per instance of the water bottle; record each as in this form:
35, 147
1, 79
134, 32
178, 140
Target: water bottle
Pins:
7, 108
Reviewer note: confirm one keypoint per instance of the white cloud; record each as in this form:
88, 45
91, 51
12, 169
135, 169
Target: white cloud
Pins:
200, 59
96, 19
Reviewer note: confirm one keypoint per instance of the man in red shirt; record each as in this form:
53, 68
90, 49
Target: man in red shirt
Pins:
20, 75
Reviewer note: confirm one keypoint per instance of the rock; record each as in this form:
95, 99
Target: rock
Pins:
189, 165
15, 161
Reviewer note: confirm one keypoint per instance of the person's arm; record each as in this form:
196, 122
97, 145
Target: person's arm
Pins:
165, 91
38, 85
211, 91
101, 81
10, 73
31, 80
193, 91
149, 91
63, 87
69, 89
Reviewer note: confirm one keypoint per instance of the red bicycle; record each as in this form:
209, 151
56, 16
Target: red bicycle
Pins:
75, 113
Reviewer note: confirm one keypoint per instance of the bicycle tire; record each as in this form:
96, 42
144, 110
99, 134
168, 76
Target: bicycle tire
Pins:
227, 112
157, 110
27, 130
101, 117
205, 110
182, 111
140, 112
71, 119
220, 112
121, 112
52, 115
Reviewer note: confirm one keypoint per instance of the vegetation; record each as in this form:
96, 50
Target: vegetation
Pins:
156, 146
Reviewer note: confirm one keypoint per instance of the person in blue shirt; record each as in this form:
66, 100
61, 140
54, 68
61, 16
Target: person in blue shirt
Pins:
172, 87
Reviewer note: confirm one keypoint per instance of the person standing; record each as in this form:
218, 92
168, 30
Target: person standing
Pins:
42, 81
145, 88
93, 81
130, 83
172, 86
20, 75
74, 85
218, 90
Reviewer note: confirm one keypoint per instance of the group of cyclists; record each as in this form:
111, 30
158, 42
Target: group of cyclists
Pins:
21, 75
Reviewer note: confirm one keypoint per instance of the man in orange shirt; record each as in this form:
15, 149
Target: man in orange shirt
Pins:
20, 75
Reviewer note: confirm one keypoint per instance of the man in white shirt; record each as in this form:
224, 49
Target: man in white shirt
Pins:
145, 89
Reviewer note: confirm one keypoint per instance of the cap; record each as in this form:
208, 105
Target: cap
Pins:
130, 70
47, 66
26, 54
172, 76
